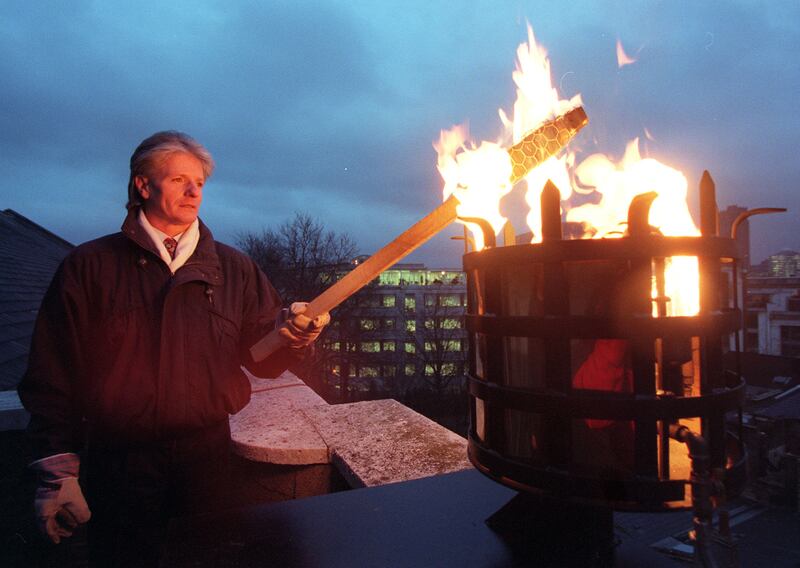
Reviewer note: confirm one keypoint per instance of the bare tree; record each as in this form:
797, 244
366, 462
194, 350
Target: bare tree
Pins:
439, 344
301, 260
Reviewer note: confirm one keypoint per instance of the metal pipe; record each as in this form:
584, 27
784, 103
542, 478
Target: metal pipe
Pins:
742, 333
701, 489
742, 217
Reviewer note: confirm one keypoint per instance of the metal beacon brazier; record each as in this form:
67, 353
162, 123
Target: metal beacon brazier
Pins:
589, 389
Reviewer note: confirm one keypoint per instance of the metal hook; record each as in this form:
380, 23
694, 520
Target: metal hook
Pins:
489, 239
639, 214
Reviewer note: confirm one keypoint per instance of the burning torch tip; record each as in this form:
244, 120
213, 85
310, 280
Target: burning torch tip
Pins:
576, 118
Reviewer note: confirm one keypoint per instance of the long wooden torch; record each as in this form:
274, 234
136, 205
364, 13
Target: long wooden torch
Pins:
535, 148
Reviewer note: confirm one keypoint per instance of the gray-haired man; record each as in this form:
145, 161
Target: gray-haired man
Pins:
137, 353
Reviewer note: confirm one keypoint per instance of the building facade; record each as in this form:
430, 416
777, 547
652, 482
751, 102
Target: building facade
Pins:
772, 315
404, 331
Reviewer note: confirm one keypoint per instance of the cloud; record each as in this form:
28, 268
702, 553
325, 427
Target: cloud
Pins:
332, 107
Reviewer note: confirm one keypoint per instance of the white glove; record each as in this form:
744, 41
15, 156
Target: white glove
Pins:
300, 331
59, 503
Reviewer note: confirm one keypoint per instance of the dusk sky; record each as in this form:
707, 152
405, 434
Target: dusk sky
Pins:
330, 108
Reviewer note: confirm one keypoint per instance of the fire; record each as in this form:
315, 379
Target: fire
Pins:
478, 174
617, 184
478, 177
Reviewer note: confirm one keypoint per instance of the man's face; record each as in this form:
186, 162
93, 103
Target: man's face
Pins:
172, 193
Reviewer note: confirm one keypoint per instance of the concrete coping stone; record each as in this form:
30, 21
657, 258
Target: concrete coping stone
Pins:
371, 443
272, 428
382, 441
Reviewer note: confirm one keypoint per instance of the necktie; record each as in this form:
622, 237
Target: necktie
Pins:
171, 244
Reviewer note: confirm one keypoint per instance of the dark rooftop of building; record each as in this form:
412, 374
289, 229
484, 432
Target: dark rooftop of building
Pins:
29, 256
785, 405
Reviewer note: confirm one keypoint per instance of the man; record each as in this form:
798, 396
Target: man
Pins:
137, 352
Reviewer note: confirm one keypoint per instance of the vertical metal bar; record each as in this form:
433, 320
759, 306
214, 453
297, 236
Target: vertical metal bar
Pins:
643, 359
643, 355
495, 362
509, 236
472, 309
557, 351
711, 345
662, 381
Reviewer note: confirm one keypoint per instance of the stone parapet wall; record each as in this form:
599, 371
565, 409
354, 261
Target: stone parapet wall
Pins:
286, 428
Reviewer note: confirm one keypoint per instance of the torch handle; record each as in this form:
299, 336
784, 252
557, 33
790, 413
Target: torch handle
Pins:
365, 272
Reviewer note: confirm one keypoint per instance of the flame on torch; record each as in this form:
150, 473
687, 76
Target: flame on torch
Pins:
480, 175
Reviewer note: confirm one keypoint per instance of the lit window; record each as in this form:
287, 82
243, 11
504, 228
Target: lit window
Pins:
410, 347
410, 302
389, 278
370, 346
388, 323
449, 300
428, 346
429, 370
410, 370
430, 300
388, 346
429, 323
449, 369
451, 345
368, 324
411, 326
370, 372
388, 301
450, 323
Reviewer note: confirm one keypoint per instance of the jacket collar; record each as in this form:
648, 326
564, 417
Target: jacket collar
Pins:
202, 265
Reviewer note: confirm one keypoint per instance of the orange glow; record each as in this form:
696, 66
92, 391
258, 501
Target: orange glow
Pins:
479, 173
617, 184
479, 176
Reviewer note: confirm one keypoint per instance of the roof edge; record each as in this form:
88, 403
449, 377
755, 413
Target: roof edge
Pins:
24, 220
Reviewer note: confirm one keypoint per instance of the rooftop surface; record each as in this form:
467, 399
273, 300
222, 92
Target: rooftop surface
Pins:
29, 255
440, 521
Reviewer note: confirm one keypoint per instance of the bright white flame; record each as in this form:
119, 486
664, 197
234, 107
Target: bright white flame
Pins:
617, 184
479, 176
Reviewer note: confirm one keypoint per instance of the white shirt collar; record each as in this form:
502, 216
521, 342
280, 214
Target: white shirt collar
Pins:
187, 242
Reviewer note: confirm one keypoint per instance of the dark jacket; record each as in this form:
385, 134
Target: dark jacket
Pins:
136, 354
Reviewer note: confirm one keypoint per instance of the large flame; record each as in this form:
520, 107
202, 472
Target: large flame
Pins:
617, 184
479, 178
478, 174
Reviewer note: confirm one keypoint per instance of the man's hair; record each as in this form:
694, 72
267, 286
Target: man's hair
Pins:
155, 150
